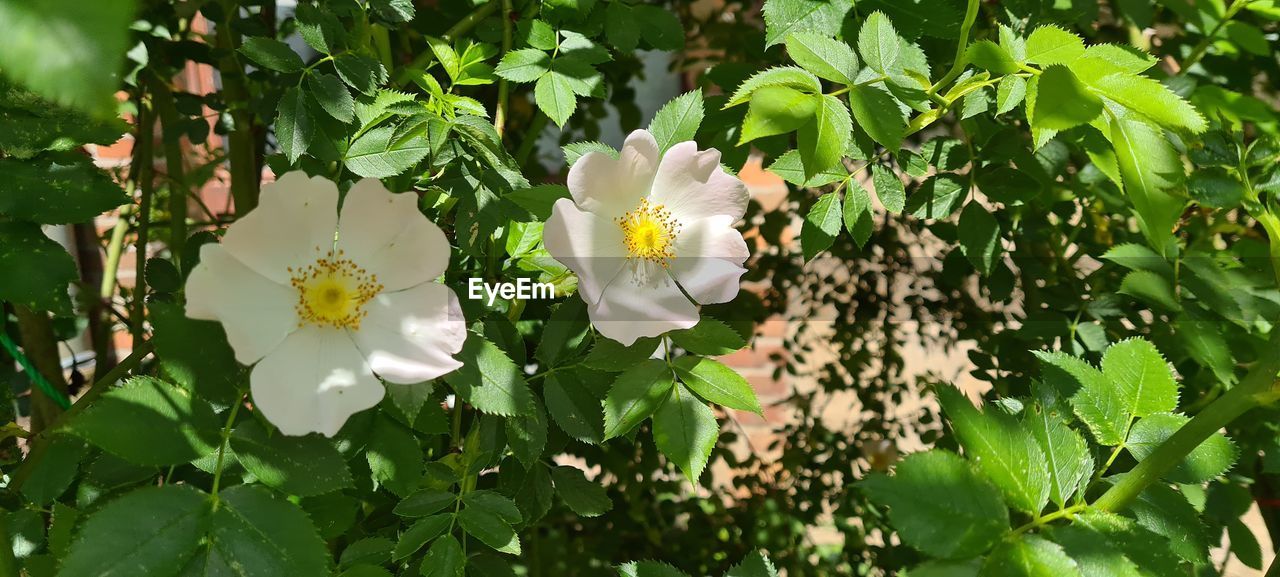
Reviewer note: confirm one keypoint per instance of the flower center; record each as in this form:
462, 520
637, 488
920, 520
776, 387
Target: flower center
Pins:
649, 233
332, 292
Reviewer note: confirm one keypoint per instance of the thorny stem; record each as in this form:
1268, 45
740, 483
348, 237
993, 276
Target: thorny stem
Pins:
162, 98
141, 172
1066, 513
242, 150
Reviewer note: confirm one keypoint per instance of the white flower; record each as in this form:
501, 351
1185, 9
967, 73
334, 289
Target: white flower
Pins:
642, 231
326, 304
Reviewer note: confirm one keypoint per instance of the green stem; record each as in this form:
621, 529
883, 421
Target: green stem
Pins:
500, 110
1272, 225
1257, 388
531, 137
40, 443
1066, 513
170, 133
970, 15
1203, 46
222, 448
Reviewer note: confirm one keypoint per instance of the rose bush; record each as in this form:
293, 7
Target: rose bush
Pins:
1080, 196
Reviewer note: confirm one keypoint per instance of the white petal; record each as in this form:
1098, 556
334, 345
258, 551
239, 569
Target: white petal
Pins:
692, 185
292, 226
590, 245
643, 301
313, 382
386, 235
611, 187
256, 312
709, 257
411, 336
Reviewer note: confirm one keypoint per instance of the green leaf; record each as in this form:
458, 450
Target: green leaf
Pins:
979, 237
574, 407
36, 269
783, 17
1062, 102
1092, 396
1150, 168
755, 564
685, 430
583, 497
1050, 45
611, 356
375, 154
878, 43
876, 111
634, 396
374, 550
445, 558
889, 188
649, 569
857, 213
262, 533
393, 10
1005, 451
319, 28
53, 473
776, 110
332, 95
272, 54
1010, 92
167, 426
1030, 556
1214, 187
711, 336
938, 197
527, 433
294, 125
1149, 551
539, 199
1150, 288
563, 333
1141, 377
789, 76
940, 505
990, 56
421, 533
424, 502
525, 65
824, 56
1163, 511
575, 150
1151, 99
490, 529
489, 380
495, 504
968, 568
821, 225
302, 466
195, 354
56, 190
1091, 551
717, 383
791, 169
67, 51
678, 120
151, 531
360, 72
1066, 455
823, 141
555, 96
1137, 257
394, 457
1207, 461
659, 27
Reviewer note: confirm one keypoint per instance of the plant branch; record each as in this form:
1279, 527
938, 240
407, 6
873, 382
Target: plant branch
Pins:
1203, 46
462, 27
222, 447
500, 110
162, 100
40, 346
141, 172
1257, 388
970, 15
242, 153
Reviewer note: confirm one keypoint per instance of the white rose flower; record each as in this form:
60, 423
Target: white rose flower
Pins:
644, 231
327, 304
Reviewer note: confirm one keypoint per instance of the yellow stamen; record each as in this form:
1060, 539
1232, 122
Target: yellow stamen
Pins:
649, 233
333, 291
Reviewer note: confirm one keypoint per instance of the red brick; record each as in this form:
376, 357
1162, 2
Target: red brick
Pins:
766, 386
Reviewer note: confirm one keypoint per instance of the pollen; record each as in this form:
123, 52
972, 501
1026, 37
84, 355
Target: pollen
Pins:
649, 233
333, 291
